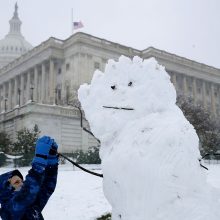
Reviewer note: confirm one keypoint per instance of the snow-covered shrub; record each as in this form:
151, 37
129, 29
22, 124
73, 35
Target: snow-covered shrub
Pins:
24, 145
207, 128
89, 157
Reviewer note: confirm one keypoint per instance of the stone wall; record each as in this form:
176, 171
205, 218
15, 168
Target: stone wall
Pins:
62, 123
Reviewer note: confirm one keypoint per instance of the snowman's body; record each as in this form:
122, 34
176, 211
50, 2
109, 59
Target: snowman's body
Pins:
149, 150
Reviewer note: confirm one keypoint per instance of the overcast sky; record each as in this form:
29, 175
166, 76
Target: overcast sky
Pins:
189, 28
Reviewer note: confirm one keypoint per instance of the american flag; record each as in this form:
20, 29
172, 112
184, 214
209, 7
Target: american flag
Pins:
77, 25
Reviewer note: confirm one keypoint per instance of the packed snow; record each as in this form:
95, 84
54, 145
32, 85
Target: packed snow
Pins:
149, 150
79, 195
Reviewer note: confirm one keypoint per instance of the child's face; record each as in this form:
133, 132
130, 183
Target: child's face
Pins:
16, 182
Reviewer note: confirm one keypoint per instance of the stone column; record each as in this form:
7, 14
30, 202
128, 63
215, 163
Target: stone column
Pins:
185, 89
213, 104
22, 90
52, 84
174, 80
3, 90
1, 98
204, 94
15, 102
28, 86
194, 88
35, 84
9, 95
43, 83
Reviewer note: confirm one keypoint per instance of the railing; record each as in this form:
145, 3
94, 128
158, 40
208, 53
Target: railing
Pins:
41, 108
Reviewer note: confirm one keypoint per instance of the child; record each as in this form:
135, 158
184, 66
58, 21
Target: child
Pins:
25, 200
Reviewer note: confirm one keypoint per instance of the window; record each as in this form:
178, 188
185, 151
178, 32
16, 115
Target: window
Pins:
59, 71
179, 81
97, 65
59, 94
67, 66
207, 91
190, 88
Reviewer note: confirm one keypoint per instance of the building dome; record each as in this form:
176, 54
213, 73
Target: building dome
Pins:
14, 44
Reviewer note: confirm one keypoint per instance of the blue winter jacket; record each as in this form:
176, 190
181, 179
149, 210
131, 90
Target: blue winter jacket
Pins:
29, 201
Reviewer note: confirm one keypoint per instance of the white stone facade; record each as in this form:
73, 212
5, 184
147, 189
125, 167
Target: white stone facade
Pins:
62, 123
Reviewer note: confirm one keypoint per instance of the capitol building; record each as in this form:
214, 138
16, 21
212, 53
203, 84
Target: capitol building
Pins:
38, 84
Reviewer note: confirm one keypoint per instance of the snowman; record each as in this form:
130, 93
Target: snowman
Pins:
149, 150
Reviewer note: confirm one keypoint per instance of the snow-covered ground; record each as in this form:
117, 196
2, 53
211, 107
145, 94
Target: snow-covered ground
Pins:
214, 175
79, 195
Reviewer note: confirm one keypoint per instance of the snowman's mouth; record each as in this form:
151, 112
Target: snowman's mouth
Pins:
119, 108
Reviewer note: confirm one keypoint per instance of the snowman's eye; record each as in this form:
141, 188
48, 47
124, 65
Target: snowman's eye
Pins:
130, 84
113, 87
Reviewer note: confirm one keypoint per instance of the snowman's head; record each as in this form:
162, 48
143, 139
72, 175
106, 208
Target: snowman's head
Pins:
128, 90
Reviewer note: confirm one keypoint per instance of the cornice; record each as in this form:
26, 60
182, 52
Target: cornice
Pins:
80, 38
93, 41
37, 108
151, 51
50, 43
